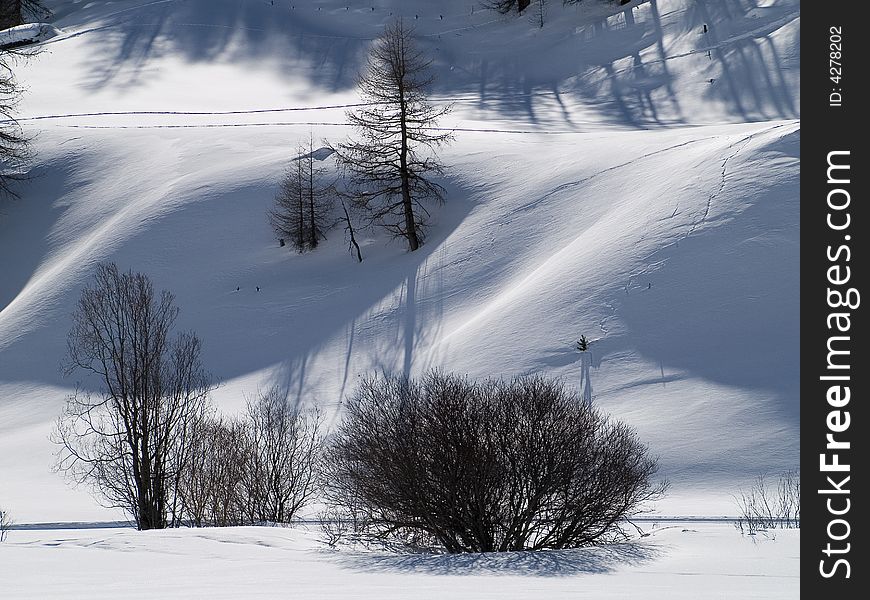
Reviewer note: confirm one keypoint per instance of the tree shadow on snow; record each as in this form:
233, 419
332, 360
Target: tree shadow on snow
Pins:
609, 59
546, 563
751, 74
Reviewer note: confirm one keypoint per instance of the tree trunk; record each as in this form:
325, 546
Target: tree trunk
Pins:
407, 202
300, 229
312, 240
523, 5
349, 227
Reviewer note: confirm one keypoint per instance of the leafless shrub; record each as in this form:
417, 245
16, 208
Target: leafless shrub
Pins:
5, 524
212, 486
284, 447
481, 467
340, 525
767, 505
130, 440
261, 468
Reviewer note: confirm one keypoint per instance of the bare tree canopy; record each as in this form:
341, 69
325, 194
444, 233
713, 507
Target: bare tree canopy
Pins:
14, 144
129, 440
211, 487
486, 467
391, 162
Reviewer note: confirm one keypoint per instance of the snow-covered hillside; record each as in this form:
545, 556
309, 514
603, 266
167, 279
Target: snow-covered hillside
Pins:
628, 173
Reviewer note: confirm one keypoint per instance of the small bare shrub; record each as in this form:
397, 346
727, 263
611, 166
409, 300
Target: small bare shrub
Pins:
261, 468
768, 505
5, 524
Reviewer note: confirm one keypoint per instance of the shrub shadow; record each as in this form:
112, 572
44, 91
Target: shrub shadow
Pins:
545, 563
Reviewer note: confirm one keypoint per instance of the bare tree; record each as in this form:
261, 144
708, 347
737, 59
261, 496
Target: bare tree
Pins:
788, 499
505, 6
284, 447
14, 144
391, 163
212, 487
486, 467
5, 524
304, 202
15, 12
350, 233
130, 439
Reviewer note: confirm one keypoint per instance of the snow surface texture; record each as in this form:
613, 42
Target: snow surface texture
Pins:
619, 173
677, 561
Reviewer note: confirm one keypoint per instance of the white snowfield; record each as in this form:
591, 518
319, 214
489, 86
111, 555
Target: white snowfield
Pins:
676, 561
621, 173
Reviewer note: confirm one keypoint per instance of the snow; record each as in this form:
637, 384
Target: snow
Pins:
677, 560
608, 178
27, 34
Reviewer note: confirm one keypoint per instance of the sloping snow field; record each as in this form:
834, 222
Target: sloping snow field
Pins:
628, 173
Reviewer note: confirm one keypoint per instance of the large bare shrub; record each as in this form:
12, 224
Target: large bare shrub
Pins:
482, 467
129, 439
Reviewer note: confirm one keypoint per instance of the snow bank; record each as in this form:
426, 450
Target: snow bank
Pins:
29, 33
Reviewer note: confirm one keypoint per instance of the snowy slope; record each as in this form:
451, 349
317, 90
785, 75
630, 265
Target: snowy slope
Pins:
608, 178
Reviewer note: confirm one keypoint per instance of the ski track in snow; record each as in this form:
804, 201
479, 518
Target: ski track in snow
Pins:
738, 145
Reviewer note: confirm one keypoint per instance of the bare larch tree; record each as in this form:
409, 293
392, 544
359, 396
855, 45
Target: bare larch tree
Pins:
130, 439
304, 203
391, 162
